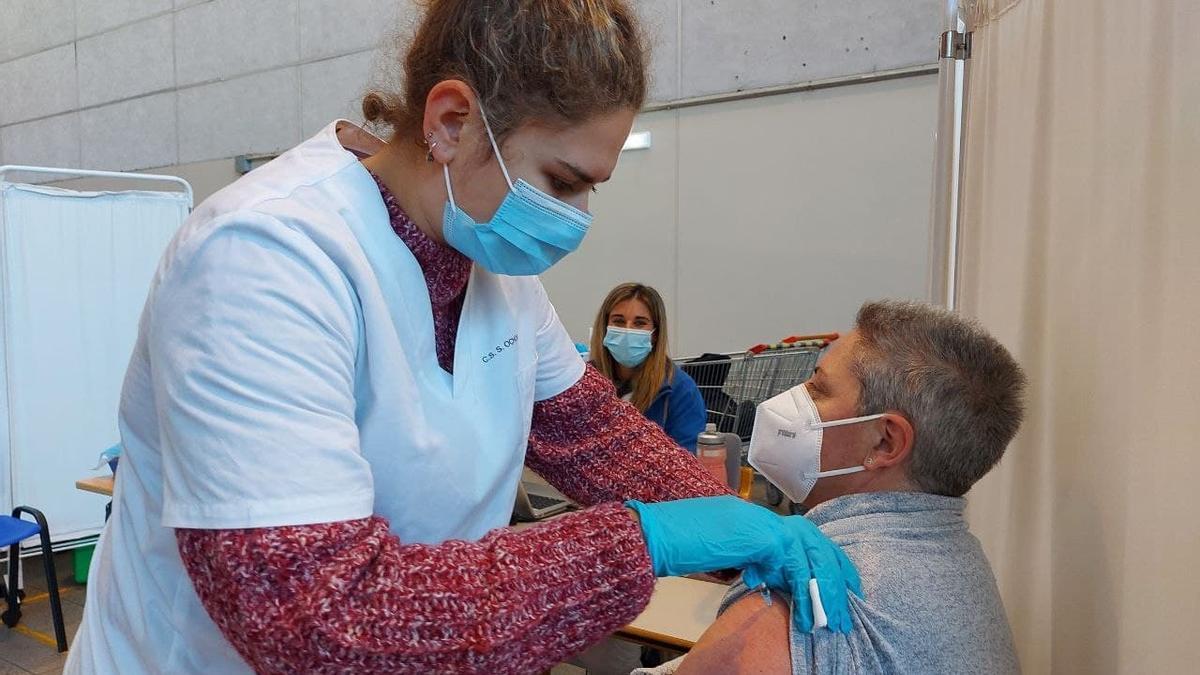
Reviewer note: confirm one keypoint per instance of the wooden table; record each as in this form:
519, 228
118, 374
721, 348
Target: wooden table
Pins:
679, 612
101, 485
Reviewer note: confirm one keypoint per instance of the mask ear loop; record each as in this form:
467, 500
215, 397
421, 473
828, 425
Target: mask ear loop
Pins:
820, 429
492, 139
850, 420
834, 472
814, 426
820, 426
495, 148
449, 190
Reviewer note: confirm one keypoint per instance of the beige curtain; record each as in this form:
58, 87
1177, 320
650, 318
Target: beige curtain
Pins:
1081, 250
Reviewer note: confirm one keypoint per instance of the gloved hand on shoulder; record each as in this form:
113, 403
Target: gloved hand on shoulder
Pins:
786, 553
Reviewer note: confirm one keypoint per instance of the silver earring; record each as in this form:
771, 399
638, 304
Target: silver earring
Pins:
432, 144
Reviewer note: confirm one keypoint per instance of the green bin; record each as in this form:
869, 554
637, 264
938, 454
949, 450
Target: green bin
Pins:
83, 560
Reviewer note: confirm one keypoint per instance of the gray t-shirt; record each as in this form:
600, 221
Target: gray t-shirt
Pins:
930, 601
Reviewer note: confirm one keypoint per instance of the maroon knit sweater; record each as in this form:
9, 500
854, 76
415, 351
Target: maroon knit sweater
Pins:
350, 597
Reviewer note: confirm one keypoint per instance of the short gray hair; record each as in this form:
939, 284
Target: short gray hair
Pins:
960, 388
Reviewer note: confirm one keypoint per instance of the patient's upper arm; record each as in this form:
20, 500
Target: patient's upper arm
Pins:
749, 637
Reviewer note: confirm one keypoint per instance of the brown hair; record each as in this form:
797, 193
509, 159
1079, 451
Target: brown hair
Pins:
556, 61
657, 368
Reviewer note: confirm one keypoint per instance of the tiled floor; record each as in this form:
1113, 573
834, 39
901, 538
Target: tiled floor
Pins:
30, 647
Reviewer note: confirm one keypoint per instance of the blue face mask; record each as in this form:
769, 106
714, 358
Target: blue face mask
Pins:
530, 231
629, 346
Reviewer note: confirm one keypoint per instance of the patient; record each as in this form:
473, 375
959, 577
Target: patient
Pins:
917, 404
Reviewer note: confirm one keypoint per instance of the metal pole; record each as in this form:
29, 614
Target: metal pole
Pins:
92, 173
953, 55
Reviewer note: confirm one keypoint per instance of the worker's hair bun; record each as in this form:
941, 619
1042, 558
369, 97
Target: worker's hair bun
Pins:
380, 108
373, 107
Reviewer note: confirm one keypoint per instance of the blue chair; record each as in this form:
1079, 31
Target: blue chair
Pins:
14, 530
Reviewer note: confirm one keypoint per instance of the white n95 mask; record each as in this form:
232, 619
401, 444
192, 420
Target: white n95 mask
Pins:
785, 445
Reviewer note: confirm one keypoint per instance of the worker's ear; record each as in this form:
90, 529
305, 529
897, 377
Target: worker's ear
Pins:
894, 443
446, 109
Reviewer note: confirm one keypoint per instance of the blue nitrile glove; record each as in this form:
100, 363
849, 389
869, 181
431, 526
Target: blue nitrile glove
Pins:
819, 565
708, 534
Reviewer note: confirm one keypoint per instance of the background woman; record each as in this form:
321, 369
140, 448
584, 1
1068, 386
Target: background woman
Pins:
630, 348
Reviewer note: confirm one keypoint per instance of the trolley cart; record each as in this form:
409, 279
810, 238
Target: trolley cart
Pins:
734, 384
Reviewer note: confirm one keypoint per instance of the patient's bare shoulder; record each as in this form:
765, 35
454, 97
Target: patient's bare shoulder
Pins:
749, 637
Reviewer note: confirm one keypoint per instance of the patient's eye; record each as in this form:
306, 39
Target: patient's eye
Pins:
816, 388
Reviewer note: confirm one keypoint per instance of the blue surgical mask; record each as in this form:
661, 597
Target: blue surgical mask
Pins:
629, 346
530, 231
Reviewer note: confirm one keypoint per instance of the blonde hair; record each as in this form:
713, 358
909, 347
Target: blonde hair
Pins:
657, 368
555, 61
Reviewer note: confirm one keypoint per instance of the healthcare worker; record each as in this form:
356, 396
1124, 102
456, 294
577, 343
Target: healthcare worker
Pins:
629, 347
342, 361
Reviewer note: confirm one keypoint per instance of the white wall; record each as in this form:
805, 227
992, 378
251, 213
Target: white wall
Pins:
135, 84
758, 219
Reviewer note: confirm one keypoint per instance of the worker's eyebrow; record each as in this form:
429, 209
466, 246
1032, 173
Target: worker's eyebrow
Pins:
580, 174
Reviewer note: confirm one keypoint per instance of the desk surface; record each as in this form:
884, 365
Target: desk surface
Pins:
101, 485
679, 612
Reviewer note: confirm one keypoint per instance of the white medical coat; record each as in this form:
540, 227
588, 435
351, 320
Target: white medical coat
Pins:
285, 373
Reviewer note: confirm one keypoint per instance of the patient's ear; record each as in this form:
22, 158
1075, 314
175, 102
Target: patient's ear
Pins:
896, 436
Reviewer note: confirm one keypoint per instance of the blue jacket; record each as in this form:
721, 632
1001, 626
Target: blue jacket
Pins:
679, 410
